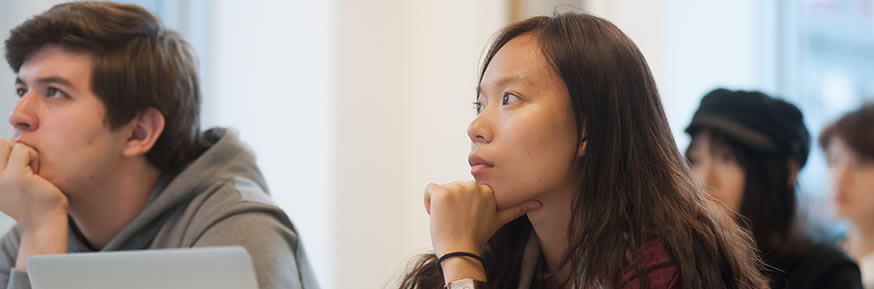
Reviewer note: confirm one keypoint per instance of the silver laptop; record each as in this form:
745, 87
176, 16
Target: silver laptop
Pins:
195, 268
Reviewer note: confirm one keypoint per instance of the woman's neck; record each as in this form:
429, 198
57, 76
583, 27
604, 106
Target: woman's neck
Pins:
550, 223
860, 240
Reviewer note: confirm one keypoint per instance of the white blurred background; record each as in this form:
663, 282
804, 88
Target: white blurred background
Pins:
354, 106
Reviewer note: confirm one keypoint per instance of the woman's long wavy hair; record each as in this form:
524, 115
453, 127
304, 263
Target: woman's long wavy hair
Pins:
635, 186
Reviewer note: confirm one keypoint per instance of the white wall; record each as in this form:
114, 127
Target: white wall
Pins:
353, 107
644, 22
406, 78
693, 46
271, 78
717, 43
531, 8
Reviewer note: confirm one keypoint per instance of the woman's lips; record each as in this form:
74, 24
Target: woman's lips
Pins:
841, 198
479, 169
478, 165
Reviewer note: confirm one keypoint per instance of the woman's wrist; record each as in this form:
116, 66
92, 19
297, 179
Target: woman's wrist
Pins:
458, 246
460, 267
460, 254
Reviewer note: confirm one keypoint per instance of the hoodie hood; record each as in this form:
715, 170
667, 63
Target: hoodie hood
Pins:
225, 159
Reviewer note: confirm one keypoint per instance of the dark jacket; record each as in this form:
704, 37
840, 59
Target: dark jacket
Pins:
820, 267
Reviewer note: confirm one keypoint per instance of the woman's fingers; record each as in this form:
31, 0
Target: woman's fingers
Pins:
428, 189
509, 214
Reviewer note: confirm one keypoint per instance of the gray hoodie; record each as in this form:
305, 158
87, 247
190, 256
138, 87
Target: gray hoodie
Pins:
219, 199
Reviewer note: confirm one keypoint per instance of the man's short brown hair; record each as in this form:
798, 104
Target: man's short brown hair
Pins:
138, 64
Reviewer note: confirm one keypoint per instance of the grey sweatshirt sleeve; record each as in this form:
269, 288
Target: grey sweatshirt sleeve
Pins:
18, 280
276, 251
13, 279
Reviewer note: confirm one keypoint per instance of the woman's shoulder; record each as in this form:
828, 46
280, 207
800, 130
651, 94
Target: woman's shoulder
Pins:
653, 263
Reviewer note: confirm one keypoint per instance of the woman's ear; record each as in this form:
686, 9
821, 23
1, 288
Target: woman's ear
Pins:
147, 126
793, 172
581, 151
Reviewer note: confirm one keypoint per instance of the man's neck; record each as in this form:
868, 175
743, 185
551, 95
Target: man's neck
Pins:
103, 211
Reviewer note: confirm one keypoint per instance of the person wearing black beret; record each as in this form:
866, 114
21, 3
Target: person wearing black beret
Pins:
747, 149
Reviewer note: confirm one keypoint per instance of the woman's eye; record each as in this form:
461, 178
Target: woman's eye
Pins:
510, 98
20, 92
830, 161
478, 106
692, 161
728, 157
861, 163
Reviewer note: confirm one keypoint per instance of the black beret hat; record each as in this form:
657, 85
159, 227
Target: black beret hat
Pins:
756, 120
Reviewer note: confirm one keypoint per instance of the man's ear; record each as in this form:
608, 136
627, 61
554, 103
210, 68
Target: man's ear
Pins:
581, 151
147, 126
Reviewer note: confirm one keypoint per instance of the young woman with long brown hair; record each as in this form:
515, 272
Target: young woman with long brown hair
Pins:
579, 183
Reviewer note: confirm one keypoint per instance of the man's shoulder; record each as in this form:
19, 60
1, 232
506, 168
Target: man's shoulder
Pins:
218, 206
234, 196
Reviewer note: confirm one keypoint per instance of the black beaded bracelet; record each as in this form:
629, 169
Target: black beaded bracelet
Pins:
459, 254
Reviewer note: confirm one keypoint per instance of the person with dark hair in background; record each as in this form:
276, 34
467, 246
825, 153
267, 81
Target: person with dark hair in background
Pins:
748, 148
849, 148
107, 152
579, 183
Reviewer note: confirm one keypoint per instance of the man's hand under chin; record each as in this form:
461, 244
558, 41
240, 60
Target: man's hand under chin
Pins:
39, 207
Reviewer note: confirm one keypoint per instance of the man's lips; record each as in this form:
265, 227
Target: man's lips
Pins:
34, 163
14, 134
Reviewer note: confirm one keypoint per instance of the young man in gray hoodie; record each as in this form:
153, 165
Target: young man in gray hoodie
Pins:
107, 152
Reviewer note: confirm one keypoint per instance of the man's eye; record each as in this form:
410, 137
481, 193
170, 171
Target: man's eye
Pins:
55, 93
